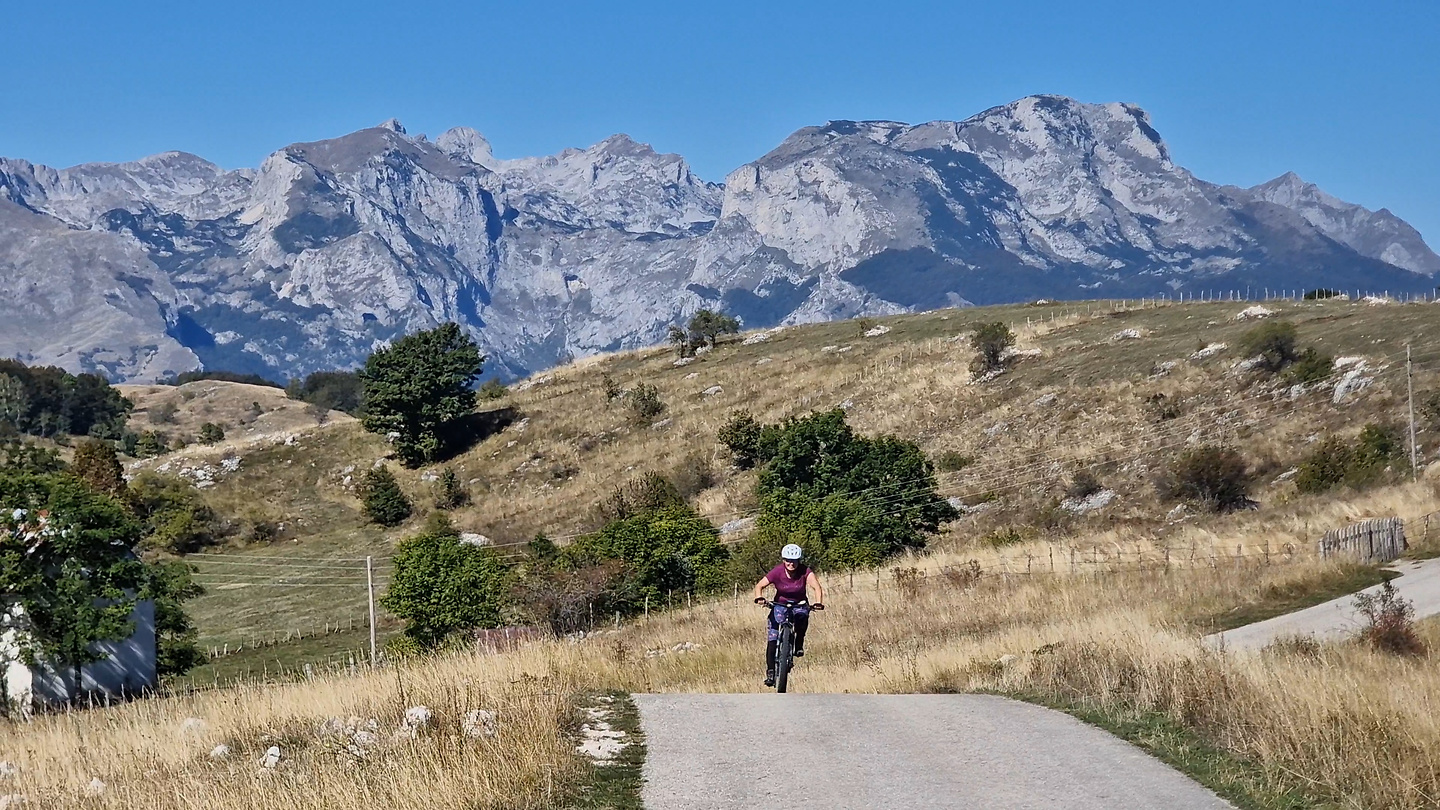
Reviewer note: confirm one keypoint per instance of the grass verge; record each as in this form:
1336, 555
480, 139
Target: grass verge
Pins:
1237, 780
614, 785
1288, 597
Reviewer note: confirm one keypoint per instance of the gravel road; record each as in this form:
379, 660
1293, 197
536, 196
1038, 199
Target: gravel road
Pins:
1418, 581
894, 751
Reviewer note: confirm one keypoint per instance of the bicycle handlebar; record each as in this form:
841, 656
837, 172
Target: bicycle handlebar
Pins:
760, 600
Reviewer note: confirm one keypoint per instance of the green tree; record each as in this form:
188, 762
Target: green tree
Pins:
170, 586
1325, 467
449, 493
492, 389
820, 455
1311, 366
680, 339
991, 340
211, 433
707, 326
1273, 342
382, 499
441, 585
66, 562
418, 385
97, 465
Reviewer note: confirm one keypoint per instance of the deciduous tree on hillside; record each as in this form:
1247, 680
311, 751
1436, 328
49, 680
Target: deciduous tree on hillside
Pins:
441, 585
418, 385
66, 562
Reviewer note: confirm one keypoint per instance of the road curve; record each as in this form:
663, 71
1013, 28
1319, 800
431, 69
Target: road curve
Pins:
1337, 619
870, 752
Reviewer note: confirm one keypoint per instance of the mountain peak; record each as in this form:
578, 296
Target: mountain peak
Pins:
392, 124
466, 143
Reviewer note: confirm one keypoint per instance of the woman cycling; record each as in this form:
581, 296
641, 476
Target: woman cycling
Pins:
790, 579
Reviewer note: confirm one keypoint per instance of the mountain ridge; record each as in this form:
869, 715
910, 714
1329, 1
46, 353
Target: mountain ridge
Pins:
333, 247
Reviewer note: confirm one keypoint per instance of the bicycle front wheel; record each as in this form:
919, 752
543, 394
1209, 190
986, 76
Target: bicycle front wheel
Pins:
784, 656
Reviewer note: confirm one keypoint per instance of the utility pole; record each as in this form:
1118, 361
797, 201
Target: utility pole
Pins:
370, 587
1410, 386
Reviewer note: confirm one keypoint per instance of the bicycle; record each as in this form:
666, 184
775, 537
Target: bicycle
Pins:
785, 644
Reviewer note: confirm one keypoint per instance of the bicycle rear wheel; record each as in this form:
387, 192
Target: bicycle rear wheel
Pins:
784, 656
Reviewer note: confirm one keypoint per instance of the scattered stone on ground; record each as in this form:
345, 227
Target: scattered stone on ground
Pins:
221, 751
1256, 311
1210, 350
479, 723
1354, 380
1126, 334
271, 758
1089, 503
712, 391
737, 525
1046, 401
877, 331
684, 361
474, 539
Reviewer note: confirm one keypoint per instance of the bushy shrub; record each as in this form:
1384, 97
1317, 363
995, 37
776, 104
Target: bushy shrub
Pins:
1273, 342
211, 433
1325, 467
671, 548
441, 585
1083, 485
648, 492
449, 493
1311, 366
742, 435
1004, 536
173, 515
568, 600
150, 444
1216, 477
1389, 622
1162, 407
164, 413
382, 499
953, 461
991, 340
492, 389
611, 387
645, 404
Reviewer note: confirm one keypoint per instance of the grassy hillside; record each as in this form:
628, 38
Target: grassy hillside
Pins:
1077, 398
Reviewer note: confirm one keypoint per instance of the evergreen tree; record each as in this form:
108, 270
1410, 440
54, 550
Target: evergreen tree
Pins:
384, 502
98, 466
211, 433
449, 494
419, 384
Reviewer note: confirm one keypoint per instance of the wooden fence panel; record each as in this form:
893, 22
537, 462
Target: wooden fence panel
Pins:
1371, 541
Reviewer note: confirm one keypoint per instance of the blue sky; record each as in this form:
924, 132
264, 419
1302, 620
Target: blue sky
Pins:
1346, 94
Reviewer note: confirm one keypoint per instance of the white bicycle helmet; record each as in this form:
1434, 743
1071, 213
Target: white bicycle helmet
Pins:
791, 552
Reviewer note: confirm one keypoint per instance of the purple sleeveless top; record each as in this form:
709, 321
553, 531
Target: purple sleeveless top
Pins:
788, 589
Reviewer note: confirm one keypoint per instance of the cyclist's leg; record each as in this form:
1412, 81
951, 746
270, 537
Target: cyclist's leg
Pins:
772, 636
801, 619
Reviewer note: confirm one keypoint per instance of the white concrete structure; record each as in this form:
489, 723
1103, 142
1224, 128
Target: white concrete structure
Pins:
127, 668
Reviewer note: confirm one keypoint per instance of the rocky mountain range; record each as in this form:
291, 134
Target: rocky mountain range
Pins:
328, 249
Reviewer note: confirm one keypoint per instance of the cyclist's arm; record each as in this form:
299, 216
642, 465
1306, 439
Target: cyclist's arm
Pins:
761, 586
814, 582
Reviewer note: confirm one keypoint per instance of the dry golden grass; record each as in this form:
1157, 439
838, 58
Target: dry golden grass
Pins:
147, 756
232, 406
